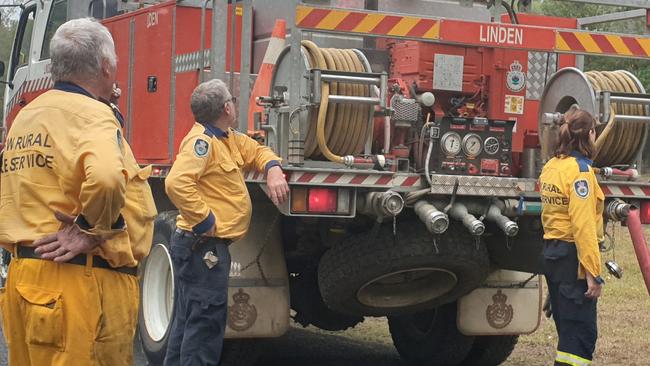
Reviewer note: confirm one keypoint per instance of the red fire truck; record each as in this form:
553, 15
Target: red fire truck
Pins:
412, 134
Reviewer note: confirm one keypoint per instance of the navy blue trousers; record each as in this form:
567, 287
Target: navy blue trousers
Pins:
200, 301
574, 314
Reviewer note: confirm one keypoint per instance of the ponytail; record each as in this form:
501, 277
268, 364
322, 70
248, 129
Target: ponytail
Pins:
574, 134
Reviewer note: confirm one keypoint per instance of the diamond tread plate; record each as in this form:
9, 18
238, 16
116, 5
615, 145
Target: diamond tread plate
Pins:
191, 61
481, 186
541, 65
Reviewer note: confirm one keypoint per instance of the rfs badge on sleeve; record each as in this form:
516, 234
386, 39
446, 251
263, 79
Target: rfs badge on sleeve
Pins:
582, 188
200, 148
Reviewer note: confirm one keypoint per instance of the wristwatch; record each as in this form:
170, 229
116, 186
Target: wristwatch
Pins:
599, 280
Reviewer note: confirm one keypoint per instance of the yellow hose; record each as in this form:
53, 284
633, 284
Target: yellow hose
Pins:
336, 130
617, 142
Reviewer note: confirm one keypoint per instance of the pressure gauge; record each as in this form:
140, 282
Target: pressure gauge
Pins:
472, 145
450, 143
491, 145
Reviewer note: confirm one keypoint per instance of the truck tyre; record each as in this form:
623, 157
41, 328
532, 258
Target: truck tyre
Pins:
309, 306
430, 338
157, 291
306, 299
5, 259
490, 350
382, 274
239, 352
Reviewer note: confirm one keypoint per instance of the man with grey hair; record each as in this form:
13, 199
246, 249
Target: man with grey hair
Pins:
207, 186
77, 213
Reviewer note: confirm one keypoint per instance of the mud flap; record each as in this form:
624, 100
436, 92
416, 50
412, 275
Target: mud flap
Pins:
508, 303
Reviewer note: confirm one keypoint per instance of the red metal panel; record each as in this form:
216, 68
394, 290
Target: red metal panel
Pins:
496, 35
412, 61
188, 33
188, 41
120, 31
153, 58
183, 119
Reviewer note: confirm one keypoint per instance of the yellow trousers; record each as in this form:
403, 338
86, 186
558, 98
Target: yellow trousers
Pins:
67, 314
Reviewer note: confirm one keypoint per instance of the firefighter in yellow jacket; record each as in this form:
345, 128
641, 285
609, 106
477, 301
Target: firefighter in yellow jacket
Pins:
77, 213
572, 207
207, 186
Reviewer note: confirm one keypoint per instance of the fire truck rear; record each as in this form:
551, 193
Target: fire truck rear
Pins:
411, 133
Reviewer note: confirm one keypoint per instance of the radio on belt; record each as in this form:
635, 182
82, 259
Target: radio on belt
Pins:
472, 146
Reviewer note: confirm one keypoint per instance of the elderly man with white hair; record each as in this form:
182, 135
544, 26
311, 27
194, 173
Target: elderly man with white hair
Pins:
76, 212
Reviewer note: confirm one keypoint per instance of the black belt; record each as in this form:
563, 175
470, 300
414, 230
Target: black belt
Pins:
98, 262
202, 239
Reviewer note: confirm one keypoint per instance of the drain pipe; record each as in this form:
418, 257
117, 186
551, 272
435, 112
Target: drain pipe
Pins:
509, 227
435, 221
459, 212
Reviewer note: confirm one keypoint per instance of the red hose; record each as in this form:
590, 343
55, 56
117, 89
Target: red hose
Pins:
640, 245
630, 173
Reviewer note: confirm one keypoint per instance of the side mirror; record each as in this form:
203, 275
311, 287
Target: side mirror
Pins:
2, 69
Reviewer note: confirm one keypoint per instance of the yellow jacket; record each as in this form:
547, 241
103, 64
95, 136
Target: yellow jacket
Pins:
572, 208
65, 151
206, 183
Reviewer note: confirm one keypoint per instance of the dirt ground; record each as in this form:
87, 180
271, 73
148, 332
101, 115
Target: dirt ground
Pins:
624, 319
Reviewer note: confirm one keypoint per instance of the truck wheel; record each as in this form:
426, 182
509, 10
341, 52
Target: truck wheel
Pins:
490, 350
5, 259
306, 299
239, 352
430, 338
310, 309
382, 274
157, 291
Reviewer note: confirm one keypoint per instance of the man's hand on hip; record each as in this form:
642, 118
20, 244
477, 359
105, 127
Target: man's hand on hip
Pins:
278, 187
67, 243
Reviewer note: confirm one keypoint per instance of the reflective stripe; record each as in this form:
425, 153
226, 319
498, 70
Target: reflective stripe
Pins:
570, 359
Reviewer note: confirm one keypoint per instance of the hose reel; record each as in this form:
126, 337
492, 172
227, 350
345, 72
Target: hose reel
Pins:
340, 118
617, 100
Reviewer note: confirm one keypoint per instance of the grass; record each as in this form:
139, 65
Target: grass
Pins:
624, 320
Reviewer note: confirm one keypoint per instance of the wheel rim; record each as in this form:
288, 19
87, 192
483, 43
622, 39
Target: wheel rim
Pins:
5, 257
407, 287
158, 292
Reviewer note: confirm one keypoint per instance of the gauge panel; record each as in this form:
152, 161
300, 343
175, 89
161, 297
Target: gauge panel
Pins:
472, 146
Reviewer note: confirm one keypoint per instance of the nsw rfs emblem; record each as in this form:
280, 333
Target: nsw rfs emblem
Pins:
499, 314
241, 314
201, 148
515, 78
581, 187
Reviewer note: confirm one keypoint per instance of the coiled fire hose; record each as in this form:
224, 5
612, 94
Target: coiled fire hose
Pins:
618, 141
337, 130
